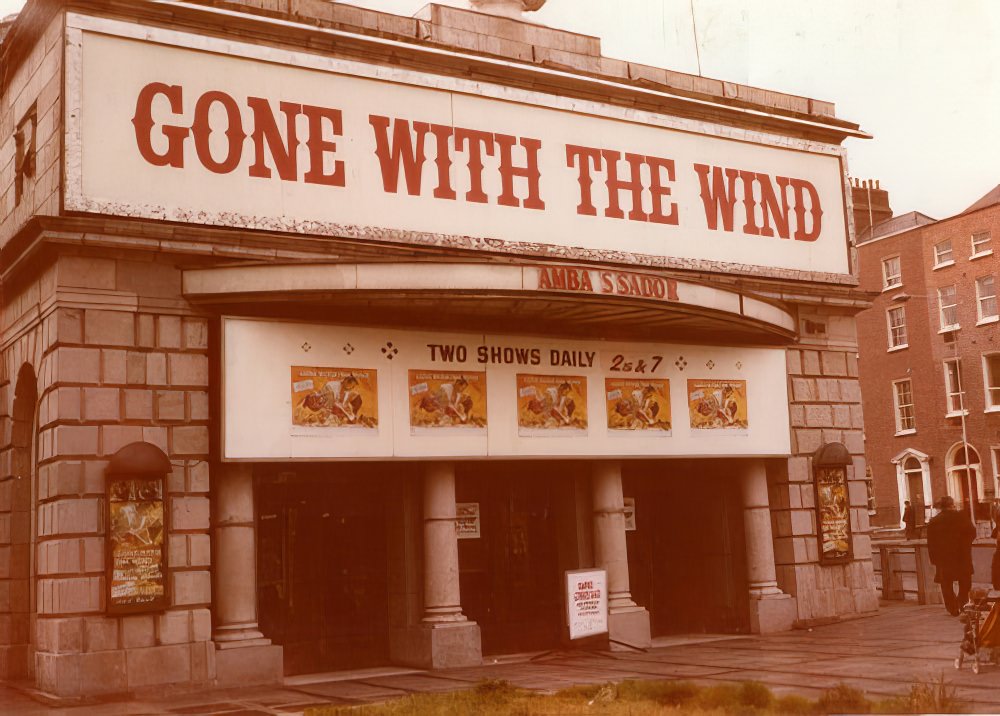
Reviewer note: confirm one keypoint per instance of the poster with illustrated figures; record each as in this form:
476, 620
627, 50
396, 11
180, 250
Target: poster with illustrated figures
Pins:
638, 405
441, 400
136, 544
551, 405
718, 406
345, 398
833, 505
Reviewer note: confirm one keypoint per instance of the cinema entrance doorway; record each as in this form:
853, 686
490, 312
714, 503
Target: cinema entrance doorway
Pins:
687, 561
322, 564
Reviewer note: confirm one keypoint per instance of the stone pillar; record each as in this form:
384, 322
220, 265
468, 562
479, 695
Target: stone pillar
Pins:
770, 609
442, 597
244, 656
445, 638
628, 623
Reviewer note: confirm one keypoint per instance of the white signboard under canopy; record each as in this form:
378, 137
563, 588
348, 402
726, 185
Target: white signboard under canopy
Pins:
206, 131
587, 602
320, 392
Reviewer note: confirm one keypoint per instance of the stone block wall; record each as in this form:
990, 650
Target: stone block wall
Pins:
825, 407
119, 359
34, 85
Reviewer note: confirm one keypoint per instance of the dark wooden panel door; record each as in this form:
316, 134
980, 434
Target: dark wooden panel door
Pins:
322, 570
509, 576
686, 560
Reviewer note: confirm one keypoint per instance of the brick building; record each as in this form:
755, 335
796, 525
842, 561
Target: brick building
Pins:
928, 359
264, 262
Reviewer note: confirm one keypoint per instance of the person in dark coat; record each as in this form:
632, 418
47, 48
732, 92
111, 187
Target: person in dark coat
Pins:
995, 567
908, 521
950, 535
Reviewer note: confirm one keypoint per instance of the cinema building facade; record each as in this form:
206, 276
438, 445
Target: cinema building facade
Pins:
334, 338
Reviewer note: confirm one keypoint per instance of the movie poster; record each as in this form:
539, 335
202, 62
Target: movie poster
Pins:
638, 405
335, 398
834, 514
718, 405
447, 399
136, 545
551, 405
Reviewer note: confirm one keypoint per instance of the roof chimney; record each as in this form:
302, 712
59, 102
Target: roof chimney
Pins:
513, 9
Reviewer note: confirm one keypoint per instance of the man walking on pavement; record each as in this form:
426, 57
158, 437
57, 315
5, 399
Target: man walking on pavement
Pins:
950, 535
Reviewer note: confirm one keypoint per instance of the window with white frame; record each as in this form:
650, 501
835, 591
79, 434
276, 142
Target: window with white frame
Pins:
892, 274
944, 253
981, 243
948, 305
986, 297
896, 320
991, 380
906, 419
955, 396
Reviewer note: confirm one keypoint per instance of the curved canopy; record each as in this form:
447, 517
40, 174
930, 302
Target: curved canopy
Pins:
558, 299
139, 458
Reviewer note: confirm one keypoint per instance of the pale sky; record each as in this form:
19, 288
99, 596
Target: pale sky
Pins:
923, 76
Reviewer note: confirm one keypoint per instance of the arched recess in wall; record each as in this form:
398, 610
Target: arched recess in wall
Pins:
17, 521
961, 460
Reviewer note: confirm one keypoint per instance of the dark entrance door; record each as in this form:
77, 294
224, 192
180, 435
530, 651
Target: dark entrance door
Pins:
915, 484
509, 576
322, 573
686, 560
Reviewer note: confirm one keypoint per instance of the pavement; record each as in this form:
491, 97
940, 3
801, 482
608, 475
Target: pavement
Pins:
883, 655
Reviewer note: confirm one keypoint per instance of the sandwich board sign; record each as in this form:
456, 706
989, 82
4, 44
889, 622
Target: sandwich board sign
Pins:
587, 602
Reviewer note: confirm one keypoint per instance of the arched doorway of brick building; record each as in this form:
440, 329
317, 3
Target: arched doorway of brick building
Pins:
962, 460
17, 527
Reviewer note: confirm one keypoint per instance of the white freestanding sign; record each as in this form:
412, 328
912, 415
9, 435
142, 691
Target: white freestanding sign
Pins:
587, 602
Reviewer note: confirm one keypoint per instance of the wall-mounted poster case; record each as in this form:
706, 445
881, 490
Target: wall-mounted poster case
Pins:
137, 529
834, 514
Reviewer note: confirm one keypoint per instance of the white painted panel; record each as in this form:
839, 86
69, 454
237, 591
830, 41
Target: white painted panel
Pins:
107, 173
259, 355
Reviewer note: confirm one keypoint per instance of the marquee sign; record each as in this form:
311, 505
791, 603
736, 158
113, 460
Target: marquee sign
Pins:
315, 391
316, 145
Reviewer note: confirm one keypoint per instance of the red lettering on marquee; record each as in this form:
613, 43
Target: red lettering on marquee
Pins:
719, 200
319, 146
201, 130
143, 124
508, 171
402, 152
218, 130
265, 131
632, 185
661, 191
267, 139
584, 157
769, 205
442, 135
620, 283
801, 187
478, 142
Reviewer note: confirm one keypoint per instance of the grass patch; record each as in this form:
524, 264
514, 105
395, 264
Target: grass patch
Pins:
651, 698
